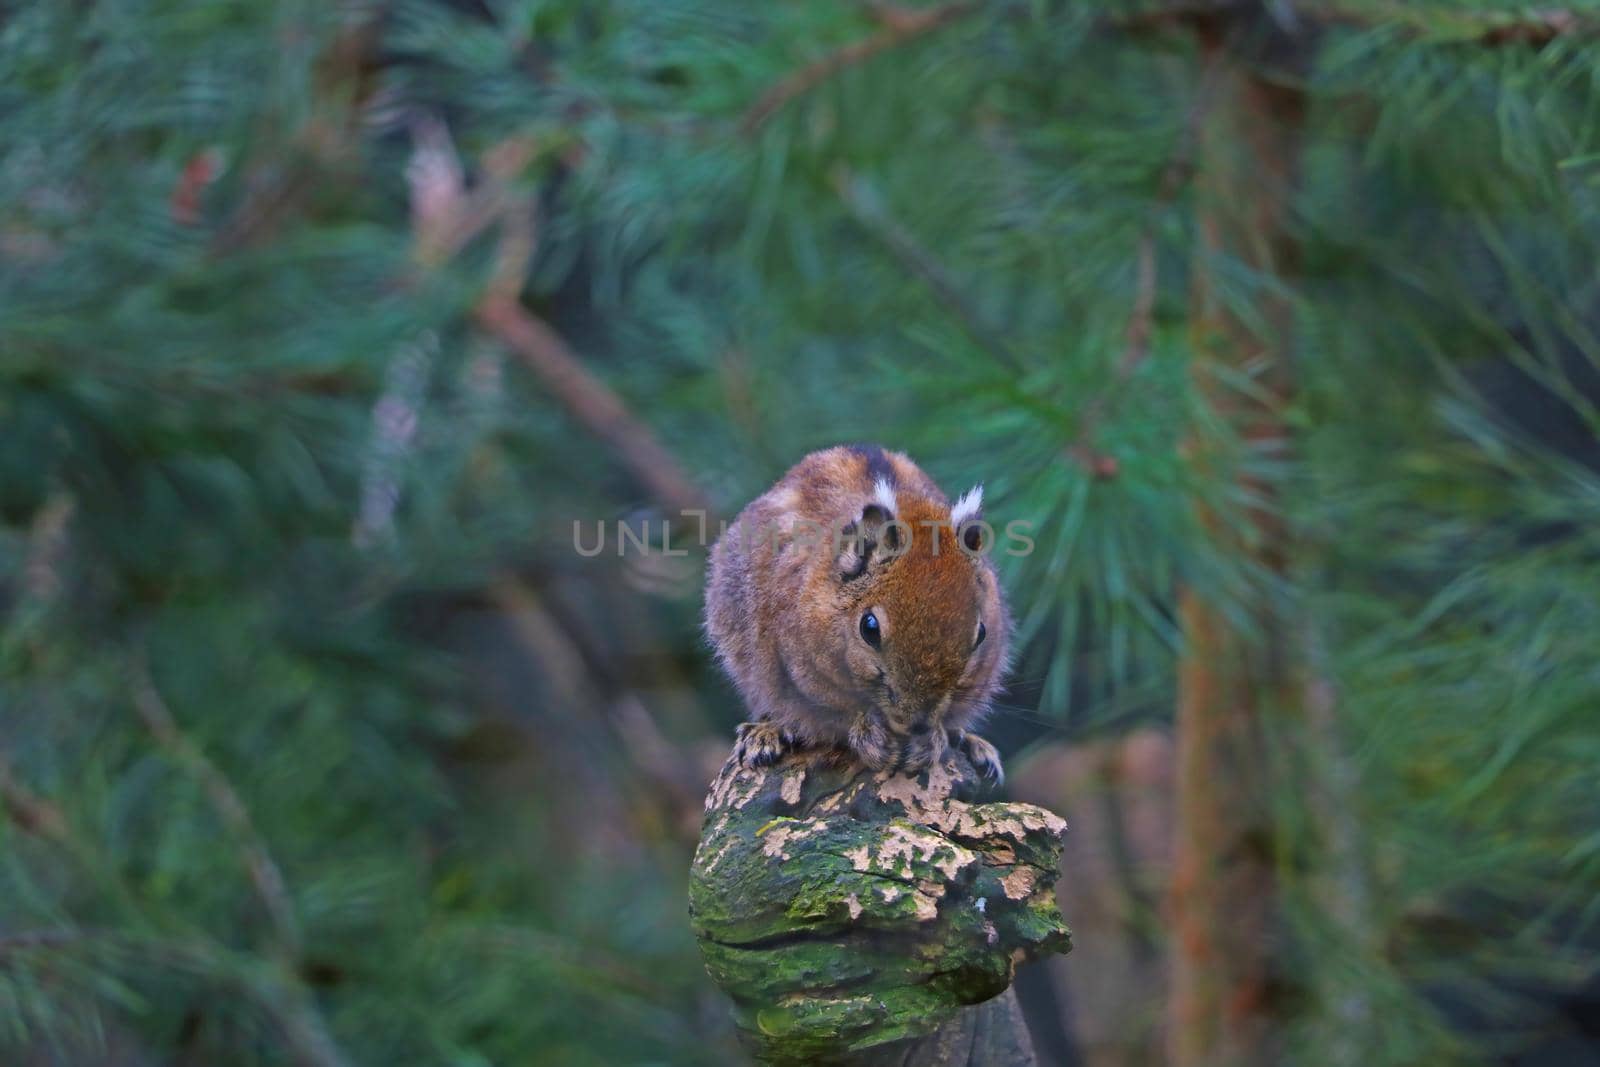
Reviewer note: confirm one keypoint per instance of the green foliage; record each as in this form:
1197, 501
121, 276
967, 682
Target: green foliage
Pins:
202, 380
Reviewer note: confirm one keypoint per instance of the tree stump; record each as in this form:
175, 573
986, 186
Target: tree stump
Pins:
858, 917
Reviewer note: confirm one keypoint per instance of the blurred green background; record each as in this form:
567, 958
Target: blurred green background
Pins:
323, 326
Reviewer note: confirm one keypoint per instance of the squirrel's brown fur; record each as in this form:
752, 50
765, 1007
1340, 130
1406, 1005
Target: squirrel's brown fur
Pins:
847, 531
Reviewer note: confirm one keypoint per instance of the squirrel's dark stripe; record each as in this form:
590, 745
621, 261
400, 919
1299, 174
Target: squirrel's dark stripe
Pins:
878, 465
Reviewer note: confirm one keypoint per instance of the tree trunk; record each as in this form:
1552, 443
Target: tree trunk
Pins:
1237, 678
866, 918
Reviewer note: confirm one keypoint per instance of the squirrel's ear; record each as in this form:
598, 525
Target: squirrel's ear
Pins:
861, 537
966, 515
854, 551
970, 506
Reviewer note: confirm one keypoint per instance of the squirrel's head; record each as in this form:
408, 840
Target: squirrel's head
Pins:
920, 621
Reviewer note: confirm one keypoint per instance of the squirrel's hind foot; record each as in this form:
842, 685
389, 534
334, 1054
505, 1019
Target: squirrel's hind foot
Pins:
761, 744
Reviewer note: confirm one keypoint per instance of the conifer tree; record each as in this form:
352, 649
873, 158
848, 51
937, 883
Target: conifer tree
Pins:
321, 324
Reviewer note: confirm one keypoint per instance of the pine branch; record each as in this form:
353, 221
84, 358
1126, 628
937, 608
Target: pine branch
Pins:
262, 869
49, 535
446, 216
920, 261
277, 192
31, 813
298, 1019
1538, 27
285, 1002
899, 26
593, 403
45, 820
1174, 176
589, 399
1175, 15
24, 940
556, 650
585, 963
283, 998
1177, 172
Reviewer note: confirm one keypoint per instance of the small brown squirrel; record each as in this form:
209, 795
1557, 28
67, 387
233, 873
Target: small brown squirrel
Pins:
855, 607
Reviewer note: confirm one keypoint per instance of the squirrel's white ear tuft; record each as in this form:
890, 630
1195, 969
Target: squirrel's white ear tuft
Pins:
883, 495
968, 506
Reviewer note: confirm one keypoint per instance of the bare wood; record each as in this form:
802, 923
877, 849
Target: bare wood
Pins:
990, 1034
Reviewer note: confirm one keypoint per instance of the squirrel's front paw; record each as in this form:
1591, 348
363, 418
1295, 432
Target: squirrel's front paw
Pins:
870, 741
984, 756
761, 744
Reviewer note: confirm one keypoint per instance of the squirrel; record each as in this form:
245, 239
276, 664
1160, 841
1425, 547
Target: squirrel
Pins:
856, 608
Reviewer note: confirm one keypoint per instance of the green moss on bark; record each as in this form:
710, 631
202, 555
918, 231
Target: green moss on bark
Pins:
844, 910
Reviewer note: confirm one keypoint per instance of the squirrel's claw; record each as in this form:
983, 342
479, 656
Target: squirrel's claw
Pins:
984, 756
761, 744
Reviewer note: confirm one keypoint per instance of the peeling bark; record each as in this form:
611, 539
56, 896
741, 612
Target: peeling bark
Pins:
865, 918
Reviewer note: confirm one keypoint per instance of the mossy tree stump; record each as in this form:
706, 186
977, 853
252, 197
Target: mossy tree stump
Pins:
860, 917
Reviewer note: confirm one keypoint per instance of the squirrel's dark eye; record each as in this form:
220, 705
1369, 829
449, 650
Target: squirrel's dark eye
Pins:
870, 631
983, 631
